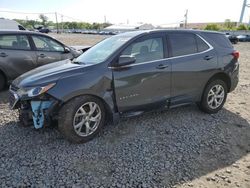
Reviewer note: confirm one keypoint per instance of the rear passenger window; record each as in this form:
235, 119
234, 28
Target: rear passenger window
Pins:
202, 46
183, 43
18, 42
146, 50
219, 39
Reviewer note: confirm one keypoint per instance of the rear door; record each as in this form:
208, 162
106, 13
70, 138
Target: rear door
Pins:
146, 82
193, 60
16, 55
48, 50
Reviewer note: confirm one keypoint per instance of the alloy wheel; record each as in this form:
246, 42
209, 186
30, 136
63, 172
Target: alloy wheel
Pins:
215, 96
87, 119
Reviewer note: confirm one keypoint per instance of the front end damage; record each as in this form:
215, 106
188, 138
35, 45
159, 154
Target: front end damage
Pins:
39, 111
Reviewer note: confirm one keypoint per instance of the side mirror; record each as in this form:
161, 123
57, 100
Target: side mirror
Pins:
126, 60
66, 50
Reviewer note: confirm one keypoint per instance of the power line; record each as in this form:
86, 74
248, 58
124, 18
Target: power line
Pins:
37, 13
69, 17
16, 12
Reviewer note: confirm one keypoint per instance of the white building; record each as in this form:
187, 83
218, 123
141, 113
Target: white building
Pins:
129, 27
10, 24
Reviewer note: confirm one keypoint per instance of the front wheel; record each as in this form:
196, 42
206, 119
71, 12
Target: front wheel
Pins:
81, 119
214, 97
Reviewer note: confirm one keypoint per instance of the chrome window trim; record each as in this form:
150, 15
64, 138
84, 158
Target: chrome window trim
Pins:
169, 58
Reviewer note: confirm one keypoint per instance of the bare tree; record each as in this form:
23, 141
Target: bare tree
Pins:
44, 19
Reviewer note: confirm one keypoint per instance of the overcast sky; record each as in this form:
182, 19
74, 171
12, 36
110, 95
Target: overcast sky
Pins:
119, 11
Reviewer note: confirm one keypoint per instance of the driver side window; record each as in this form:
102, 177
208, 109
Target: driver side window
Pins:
46, 44
146, 50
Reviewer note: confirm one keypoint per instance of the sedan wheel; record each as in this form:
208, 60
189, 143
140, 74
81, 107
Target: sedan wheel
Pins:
214, 96
81, 119
87, 118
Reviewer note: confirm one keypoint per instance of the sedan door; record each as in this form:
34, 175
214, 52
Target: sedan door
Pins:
145, 84
16, 55
47, 50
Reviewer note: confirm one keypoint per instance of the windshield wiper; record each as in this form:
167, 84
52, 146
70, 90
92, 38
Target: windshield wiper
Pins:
78, 62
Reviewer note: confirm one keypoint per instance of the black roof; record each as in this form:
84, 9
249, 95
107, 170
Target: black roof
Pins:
141, 32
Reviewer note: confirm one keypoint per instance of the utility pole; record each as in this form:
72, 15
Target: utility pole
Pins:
243, 10
186, 17
62, 22
105, 20
56, 23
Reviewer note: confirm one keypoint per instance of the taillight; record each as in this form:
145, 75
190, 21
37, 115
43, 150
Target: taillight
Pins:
236, 54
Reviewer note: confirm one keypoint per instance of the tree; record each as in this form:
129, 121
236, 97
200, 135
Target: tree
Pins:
228, 24
44, 19
242, 27
213, 27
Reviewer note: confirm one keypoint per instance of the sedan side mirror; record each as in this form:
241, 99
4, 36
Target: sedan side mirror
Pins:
126, 60
66, 50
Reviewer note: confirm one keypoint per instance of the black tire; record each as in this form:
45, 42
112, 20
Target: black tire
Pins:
203, 104
67, 114
2, 81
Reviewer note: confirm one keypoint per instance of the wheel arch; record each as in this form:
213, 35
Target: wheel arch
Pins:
105, 103
222, 76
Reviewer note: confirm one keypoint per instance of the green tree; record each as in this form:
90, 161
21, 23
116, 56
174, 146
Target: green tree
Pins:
242, 27
44, 19
213, 27
229, 25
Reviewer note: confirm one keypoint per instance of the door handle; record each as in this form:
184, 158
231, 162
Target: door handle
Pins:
3, 54
161, 66
42, 55
208, 57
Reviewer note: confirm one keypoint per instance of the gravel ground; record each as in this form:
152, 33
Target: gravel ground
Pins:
182, 147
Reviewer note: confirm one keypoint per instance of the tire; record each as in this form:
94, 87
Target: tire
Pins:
2, 81
77, 113
205, 104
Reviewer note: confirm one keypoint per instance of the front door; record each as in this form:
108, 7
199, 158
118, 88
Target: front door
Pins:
146, 82
47, 50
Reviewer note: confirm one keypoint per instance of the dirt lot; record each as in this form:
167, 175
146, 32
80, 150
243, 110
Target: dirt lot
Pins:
182, 147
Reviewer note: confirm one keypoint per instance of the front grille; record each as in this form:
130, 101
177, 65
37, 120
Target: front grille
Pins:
11, 99
14, 88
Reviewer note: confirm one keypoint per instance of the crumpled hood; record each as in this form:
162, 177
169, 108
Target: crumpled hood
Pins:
48, 73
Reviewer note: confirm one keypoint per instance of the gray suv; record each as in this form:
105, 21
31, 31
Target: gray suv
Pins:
21, 51
126, 75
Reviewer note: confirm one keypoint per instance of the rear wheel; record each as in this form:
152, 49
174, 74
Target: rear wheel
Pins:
81, 119
214, 97
2, 81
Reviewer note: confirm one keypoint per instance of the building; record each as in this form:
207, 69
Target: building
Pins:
129, 27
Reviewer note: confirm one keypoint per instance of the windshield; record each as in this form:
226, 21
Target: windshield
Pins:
101, 51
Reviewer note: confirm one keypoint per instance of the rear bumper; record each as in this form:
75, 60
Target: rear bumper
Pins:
234, 79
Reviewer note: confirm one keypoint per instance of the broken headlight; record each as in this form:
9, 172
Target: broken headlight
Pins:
35, 91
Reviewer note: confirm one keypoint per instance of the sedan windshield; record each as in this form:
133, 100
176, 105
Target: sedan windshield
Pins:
101, 51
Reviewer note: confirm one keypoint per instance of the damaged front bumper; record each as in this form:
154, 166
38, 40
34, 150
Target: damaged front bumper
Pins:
39, 111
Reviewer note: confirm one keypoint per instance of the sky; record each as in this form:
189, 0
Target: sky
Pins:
156, 12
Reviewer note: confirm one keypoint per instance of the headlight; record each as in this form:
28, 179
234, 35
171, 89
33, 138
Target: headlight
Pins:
33, 92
